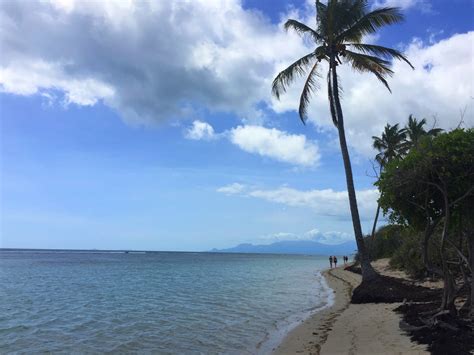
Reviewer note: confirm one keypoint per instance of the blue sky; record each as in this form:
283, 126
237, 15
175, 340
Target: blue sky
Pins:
121, 131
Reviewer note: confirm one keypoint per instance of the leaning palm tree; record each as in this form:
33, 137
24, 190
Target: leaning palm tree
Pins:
415, 130
341, 25
390, 145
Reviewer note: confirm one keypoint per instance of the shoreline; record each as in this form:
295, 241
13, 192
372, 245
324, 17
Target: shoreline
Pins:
307, 337
275, 338
345, 328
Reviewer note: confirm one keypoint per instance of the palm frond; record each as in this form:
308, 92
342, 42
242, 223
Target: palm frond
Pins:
347, 13
310, 86
435, 131
385, 52
378, 143
369, 23
321, 18
302, 29
287, 76
366, 63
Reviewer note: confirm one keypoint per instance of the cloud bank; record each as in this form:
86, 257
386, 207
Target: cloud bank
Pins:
330, 238
148, 60
326, 202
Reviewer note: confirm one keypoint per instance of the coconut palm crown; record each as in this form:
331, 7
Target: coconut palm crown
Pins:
415, 130
390, 145
341, 25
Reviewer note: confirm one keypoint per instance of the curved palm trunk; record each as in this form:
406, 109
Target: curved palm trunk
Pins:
375, 221
368, 272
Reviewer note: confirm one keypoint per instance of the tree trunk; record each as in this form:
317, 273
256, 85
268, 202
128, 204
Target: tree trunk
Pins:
449, 293
471, 262
368, 272
449, 290
375, 221
429, 230
372, 235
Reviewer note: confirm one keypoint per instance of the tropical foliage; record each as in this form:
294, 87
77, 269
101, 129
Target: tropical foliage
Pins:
415, 130
431, 190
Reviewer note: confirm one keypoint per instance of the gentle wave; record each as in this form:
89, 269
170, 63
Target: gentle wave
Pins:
155, 302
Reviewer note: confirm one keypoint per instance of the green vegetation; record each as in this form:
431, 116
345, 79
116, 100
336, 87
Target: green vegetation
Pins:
386, 242
427, 191
340, 28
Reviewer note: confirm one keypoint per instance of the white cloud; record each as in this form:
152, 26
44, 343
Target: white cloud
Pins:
276, 144
281, 236
330, 237
85, 91
232, 189
146, 59
423, 5
326, 202
440, 86
266, 142
200, 130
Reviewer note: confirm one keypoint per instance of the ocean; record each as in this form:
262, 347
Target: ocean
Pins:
160, 302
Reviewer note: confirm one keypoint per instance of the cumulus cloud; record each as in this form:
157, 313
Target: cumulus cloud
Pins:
267, 142
440, 86
200, 130
146, 59
85, 91
276, 144
326, 202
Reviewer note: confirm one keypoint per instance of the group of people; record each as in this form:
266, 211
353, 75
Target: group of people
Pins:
333, 260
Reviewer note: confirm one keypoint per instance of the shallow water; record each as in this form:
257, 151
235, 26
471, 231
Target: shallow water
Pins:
154, 302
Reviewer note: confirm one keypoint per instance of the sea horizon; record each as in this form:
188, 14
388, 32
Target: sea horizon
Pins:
156, 251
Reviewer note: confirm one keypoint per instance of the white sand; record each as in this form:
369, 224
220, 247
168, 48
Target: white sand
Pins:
348, 328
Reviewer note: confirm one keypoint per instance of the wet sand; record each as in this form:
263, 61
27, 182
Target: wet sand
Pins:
346, 328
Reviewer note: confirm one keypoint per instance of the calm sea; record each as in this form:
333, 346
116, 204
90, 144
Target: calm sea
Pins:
186, 303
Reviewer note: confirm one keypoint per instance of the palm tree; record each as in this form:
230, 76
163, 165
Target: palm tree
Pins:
390, 146
415, 131
340, 28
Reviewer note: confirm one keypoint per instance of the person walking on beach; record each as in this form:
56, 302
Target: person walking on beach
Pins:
330, 261
335, 261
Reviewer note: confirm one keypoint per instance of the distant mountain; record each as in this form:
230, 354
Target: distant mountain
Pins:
293, 247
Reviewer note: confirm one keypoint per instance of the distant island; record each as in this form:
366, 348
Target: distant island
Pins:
293, 247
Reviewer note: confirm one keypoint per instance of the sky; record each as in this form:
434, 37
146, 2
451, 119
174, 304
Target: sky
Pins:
150, 125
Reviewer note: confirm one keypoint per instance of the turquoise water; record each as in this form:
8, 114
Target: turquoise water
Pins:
154, 302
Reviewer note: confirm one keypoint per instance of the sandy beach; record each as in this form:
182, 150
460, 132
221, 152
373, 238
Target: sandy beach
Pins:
347, 328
